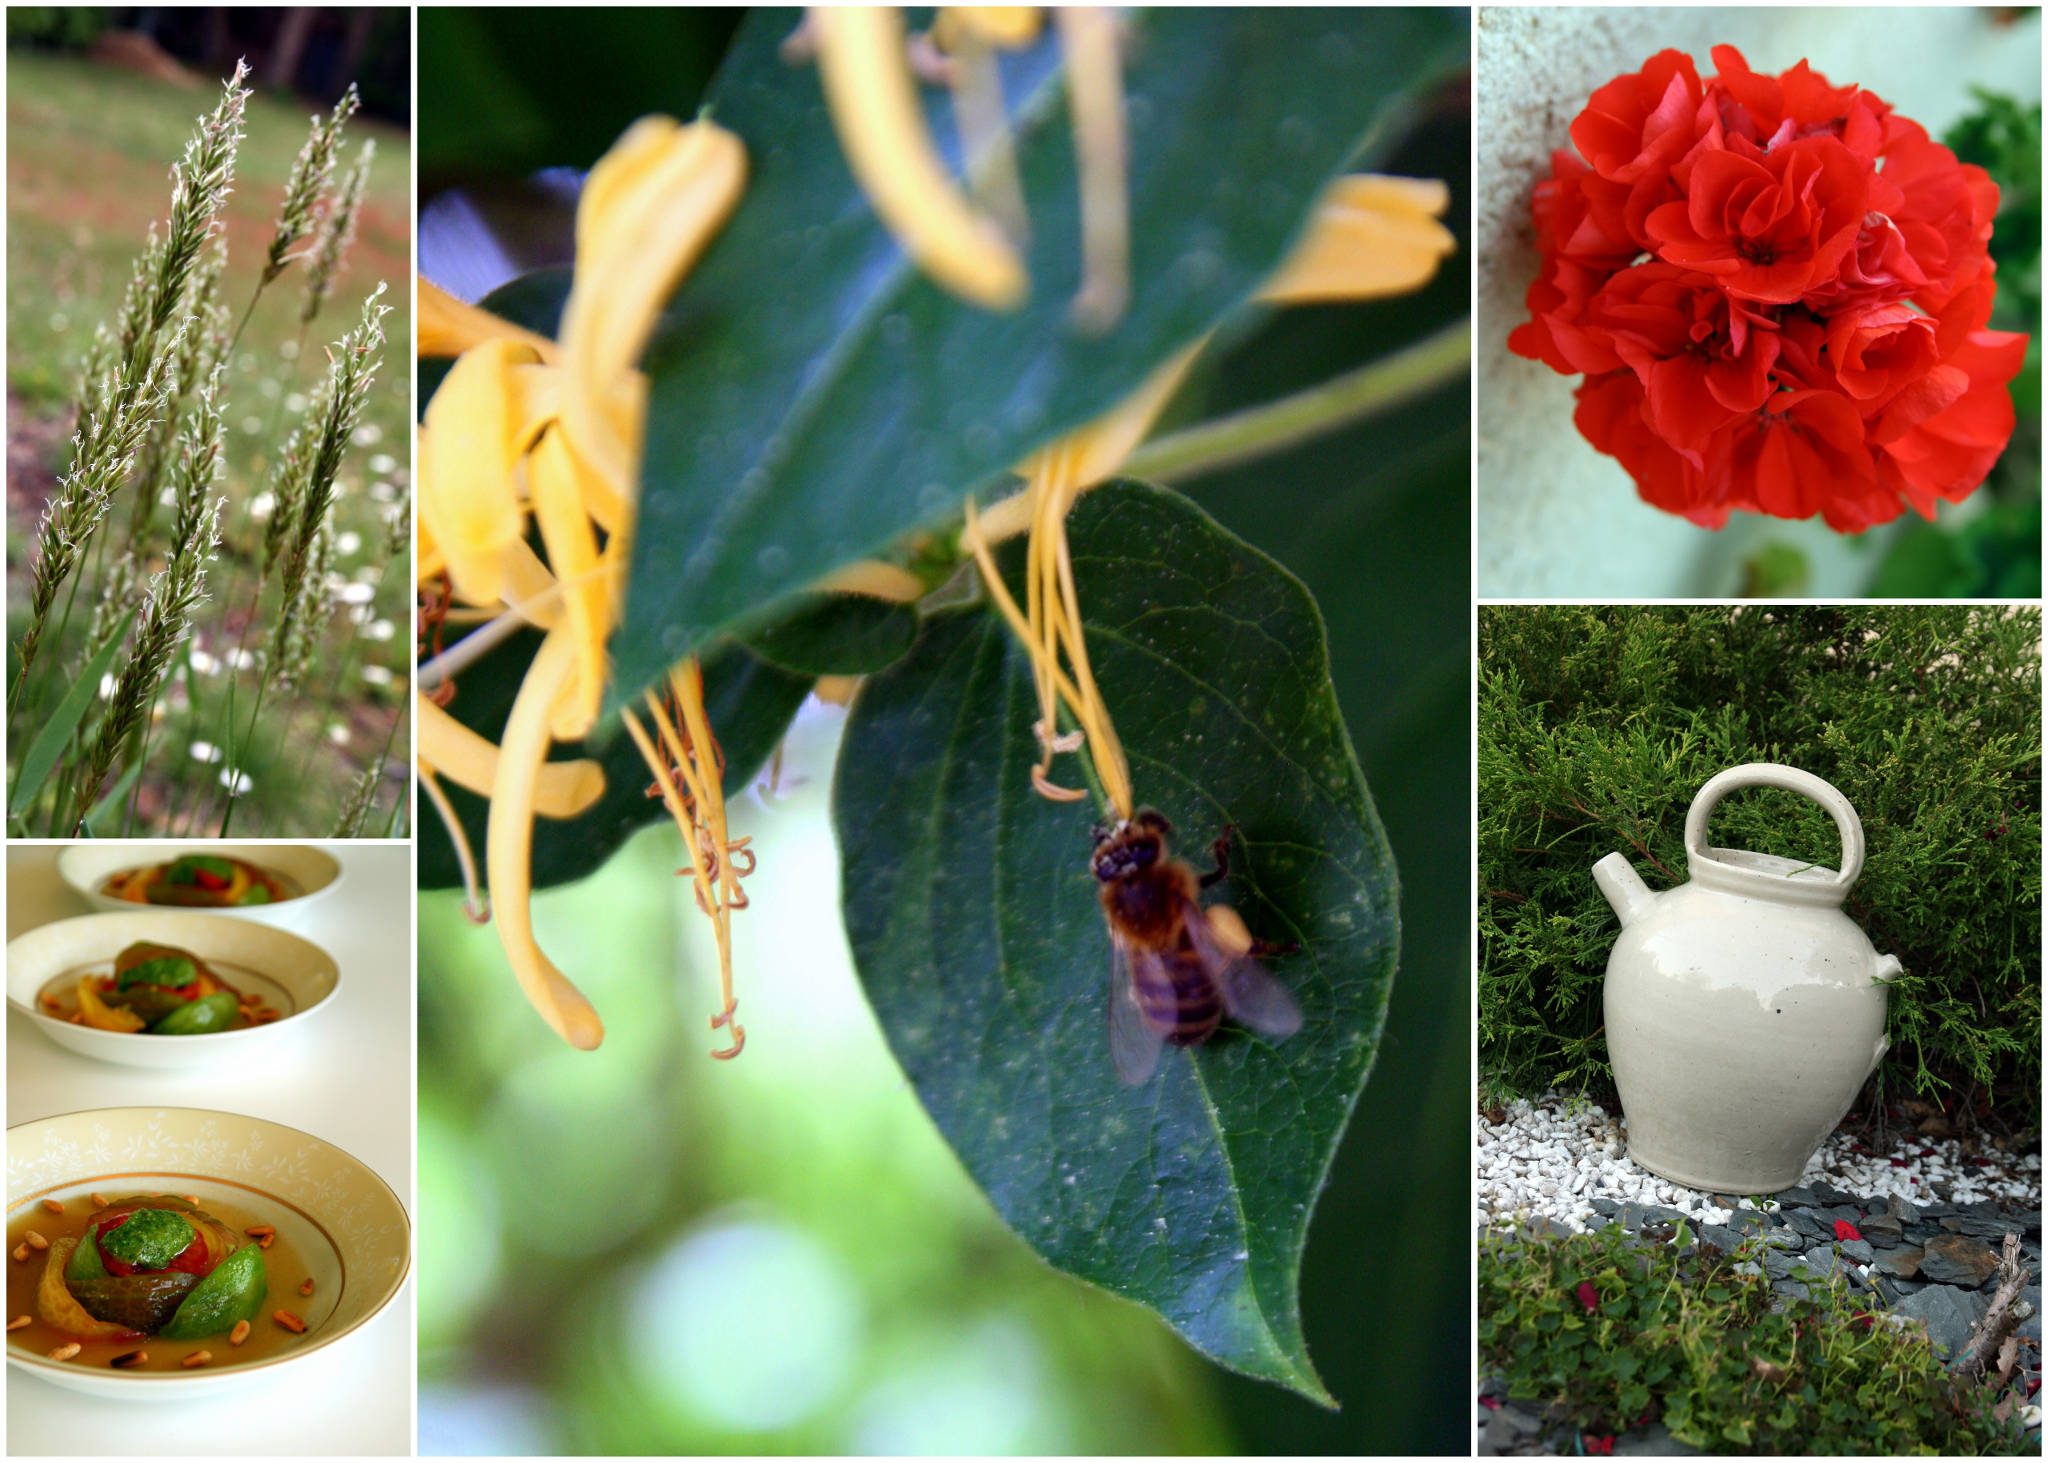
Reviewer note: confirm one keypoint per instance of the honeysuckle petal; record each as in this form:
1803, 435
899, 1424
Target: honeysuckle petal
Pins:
875, 111
1370, 236
531, 591
874, 579
648, 210
561, 790
467, 497
448, 327
555, 477
508, 847
1005, 27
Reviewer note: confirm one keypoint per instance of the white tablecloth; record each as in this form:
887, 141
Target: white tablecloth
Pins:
349, 1081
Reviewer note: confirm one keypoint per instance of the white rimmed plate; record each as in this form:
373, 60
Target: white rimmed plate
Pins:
86, 867
293, 974
341, 1217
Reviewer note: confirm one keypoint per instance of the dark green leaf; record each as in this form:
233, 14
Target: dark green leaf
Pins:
813, 397
750, 704
978, 936
53, 735
835, 635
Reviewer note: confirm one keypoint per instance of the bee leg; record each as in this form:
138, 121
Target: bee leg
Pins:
1220, 852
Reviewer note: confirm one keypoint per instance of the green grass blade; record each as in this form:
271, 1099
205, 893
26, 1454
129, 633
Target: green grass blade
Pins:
49, 742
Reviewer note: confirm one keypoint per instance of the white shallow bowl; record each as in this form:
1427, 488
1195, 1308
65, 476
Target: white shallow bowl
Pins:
344, 1220
88, 866
295, 975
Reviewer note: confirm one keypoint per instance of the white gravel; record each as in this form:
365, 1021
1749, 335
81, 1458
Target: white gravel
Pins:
1552, 1157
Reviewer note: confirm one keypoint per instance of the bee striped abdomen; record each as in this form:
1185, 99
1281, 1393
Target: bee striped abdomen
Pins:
1178, 998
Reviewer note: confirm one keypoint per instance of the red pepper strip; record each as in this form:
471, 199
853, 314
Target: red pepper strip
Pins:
207, 880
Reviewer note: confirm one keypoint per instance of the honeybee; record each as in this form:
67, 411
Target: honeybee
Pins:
1176, 969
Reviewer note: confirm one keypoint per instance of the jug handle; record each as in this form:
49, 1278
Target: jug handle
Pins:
1790, 779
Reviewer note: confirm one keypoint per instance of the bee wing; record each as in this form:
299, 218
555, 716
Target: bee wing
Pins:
1251, 994
1133, 1041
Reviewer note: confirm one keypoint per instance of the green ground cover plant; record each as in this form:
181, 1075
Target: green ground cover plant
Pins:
1598, 724
183, 607
1615, 1336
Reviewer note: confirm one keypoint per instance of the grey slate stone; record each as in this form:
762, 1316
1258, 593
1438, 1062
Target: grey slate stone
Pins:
1957, 1259
1719, 1236
1947, 1312
1606, 1206
2031, 1327
1883, 1231
1784, 1237
1857, 1250
1748, 1219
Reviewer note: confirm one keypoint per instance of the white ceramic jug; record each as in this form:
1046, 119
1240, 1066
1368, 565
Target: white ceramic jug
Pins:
1744, 1009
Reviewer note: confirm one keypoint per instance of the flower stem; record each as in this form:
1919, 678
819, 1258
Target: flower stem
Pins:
1306, 415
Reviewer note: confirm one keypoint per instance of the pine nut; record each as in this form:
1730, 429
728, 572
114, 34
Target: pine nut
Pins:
34, 1240
289, 1321
19, 1321
100, 1201
55, 1206
21, 1251
65, 1352
192, 1199
130, 1359
51, 1003
240, 1334
306, 1286
197, 1358
266, 1242
258, 1231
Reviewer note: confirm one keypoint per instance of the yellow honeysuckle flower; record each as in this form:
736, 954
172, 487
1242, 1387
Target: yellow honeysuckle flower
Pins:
474, 437
1003, 27
648, 210
448, 327
1368, 237
525, 425
873, 99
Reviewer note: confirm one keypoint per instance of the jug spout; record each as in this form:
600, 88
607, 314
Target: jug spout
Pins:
1623, 887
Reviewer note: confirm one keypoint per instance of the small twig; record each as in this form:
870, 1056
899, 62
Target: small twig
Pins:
1980, 1352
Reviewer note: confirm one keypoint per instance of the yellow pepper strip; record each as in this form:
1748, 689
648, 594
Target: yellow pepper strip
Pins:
448, 327
875, 110
561, 790
99, 1014
1369, 236
508, 849
650, 208
472, 441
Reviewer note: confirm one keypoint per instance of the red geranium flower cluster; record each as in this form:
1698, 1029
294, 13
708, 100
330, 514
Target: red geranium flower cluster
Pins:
1777, 291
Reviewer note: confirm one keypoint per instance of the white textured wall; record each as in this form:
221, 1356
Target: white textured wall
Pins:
1554, 516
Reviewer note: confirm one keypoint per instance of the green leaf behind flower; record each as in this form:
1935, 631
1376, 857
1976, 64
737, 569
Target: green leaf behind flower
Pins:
979, 939
813, 396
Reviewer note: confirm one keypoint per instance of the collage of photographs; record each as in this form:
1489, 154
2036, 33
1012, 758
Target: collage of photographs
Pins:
1241, 730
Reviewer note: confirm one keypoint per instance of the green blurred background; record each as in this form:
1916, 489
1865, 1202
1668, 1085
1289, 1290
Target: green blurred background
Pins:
642, 1250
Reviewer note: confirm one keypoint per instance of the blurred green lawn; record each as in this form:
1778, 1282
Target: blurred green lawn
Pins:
89, 151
